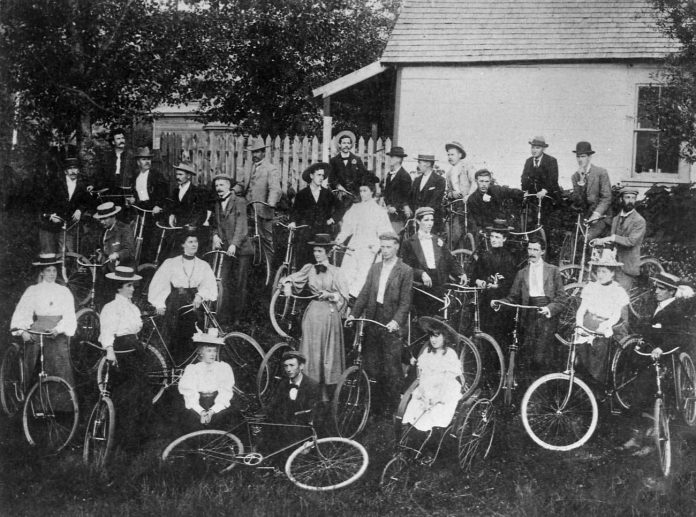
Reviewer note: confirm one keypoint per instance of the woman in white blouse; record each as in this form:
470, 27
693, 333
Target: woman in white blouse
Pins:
180, 281
47, 307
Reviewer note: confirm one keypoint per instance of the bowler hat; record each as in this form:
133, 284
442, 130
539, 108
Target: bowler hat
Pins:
322, 239
124, 274
423, 211
143, 152
667, 279
347, 133
256, 144
436, 324
106, 210
294, 354
314, 168
397, 151
426, 158
455, 145
538, 141
47, 259
583, 148
71, 162
186, 167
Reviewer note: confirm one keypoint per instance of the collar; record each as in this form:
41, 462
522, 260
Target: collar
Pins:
626, 214
298, 380
187, 257
111, 227
665, 303
346, 157
536, 264
122, 299
424, 237
222, 199
184, 185
389, 263
314, 188
141, 173
67, 178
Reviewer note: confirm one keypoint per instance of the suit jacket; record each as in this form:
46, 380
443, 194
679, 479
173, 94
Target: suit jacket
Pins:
283, 408
482, 213
553, 288
629, 231
445, 265
305, 210
668, 325
191, 209
118, 239
397, 295
595, 195
263, 184
157, 190
545, 176
396, 193
231, 224
56, 201
432, 194
105, 176
349, 175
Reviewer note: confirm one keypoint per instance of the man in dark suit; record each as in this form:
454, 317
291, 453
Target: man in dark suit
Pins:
592, 191
313, 206
66, 200
397, 188
231, 234
385, 297
427, 190
297, 399
188, 205
115, 169
539, 284
346, 173
540, 177
669, 321
485, 203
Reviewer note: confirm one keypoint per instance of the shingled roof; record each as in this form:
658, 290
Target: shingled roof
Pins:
462, 31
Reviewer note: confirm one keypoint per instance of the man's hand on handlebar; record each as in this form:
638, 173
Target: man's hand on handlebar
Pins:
55, 219
426, 279
160, 311
156, 210
545, 311
232, 250
392, 326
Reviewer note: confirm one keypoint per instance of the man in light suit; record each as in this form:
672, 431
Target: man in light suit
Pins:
385, 297
397, 188
263, 184
231, 234
427, 190
539, 284
592, 191
627, 232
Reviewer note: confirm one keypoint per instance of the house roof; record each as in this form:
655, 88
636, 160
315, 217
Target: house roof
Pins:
463, 31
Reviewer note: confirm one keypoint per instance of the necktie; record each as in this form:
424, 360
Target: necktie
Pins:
536, 162
320, 268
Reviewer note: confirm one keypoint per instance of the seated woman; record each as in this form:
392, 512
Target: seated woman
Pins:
440, 375
207, 386
603, 303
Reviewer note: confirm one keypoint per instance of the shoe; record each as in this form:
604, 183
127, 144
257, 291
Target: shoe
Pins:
643, 451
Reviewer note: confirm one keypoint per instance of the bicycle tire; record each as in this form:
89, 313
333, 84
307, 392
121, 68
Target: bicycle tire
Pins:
475, 436
100, 433
267, 259
465, 259
570, 274
492, 364
626, 366
286, 315
469, 242
566, 320
663, 439
395, 475
283, 271
85, 350
44, 427
12, 380
686, 389
208, 449
471, 366
142, 288
245, 356
327, 464
271, 373
350, 407
78, 278
550, 424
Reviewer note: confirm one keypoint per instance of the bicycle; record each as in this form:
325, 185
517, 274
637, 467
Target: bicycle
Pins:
316, 464
468, 241
260, 255
289, 265
101, 426
218, 258
138, 230
75, 276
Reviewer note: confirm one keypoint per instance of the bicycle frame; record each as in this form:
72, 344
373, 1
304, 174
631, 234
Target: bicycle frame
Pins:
138, 232
451, 212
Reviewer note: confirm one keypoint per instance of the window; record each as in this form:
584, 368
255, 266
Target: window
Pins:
653, 155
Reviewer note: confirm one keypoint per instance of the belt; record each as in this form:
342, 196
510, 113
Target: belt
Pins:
185, 290
538, 300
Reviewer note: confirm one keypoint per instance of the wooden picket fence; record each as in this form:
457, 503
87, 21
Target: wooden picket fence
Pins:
222, 152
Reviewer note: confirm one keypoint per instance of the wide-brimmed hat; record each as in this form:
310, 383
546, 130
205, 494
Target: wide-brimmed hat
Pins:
667, 279
583, 148
232, 181
430, 323
314, 168
455, 145
538, 141
604, 257
423, 211
70, 163
106, 210
256, 144
186, 167
500, 226
143, 152
294, 354
322, 239
209, 338
47, 259
426, 158
347, 133
628, 190
124, 274
397, 151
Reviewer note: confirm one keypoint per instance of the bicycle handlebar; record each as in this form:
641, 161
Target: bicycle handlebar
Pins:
649, 354
33, 332
260, 203
354, 320
162, 227
89, 264
495, 304
297, 227
142, 209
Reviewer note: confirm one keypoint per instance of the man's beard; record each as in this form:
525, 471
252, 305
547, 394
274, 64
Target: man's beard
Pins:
627, 207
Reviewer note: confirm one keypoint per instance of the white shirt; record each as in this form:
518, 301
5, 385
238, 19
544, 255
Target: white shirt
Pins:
118, 162
536, 279
315, 192
141, 186
424, 179
71, 187
383, 277
183, 189
292, 393
179, 272
426, 242
46, 299
206, 378
119, 317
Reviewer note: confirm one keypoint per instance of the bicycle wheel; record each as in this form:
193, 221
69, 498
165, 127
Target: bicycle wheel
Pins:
475, 435
245, 356
157, 371
650, 266
570, 273
147, 271
282, 272
85, 350
204, 451
626, 366
566, 320
686, 388
663, 440
551, 422
395, 476
465, 259
326, 464
99, 436
78, 278
50, 414
641, 302
12, 380
350, 406
565, 256
271, 373
286, 315
492, 364
471, 366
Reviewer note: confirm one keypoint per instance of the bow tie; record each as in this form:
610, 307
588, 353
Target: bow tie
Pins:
320, 268
294, 386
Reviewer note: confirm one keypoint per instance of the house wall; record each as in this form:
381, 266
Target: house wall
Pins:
495, 110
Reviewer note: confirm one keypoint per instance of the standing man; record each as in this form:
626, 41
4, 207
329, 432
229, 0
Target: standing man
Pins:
427, 190
231, 234
347, 173
591, 191
263, 184
539, 284
627, 232
540, 177
115, 168
397, 188
188, 206
117, 241
66, 200
460, 183
385, 297
486, 203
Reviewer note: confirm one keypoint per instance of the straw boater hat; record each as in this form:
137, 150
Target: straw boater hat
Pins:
583, 148
294, 354
397, 151
186, 167
604, 257
429, 324
347, 133
105, 210
314, 168
322, 239
426, 158
455, 145
124, 274
209, 338
143, 152
499, 226
47, 259
666, 279
538, 141
257, 144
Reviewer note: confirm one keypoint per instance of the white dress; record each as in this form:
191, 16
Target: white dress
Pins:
365, 222
435, 400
